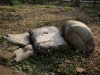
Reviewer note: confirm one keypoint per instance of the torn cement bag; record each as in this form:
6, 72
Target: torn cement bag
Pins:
78, 35
28, 47
19, 39
24, 53
46, 38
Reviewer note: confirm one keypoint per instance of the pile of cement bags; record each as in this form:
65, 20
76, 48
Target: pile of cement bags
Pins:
47, 39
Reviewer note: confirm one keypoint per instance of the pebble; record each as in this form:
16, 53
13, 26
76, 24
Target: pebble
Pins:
80, 70
9, 71
6, 54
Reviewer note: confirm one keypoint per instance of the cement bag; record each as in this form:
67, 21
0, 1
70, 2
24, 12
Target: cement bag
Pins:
24, 53
19, 39
46, 39
78, 35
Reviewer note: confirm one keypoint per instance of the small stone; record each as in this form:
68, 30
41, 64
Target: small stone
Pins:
67, 61
13, 48
6, 54
9, 71
20, 73
80, 70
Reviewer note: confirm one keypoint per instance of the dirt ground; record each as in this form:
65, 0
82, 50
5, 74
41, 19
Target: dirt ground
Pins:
30, 17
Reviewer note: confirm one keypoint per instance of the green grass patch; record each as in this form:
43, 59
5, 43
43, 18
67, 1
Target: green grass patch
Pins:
68, 8
54, 62
43, 6
90, 11
48, 6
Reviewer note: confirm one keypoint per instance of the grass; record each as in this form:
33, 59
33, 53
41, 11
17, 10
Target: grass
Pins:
48, 6
14, 20
44, 63
90, 11
68, 8
62, 62
14, 8
43, 6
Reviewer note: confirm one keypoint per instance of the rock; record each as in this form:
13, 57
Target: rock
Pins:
20, 73
8, 71
46, 39
18, 39
78, 35
80, 70
13, 48
22, 54
6, 54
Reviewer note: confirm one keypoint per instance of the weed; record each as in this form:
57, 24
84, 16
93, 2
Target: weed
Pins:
48, 6
16, 7
78, 18
34, 6
43, 24
84, 6
13, 9
11, 17
44, 6
15, 2
2, 40
68, 8
91, 11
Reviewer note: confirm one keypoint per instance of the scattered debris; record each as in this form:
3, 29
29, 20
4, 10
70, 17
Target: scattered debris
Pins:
8, 71
6, 54
80, 70
47, 39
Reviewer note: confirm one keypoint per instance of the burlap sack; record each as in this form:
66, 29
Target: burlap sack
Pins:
46, 39
78, 35
24, 53
19, 39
